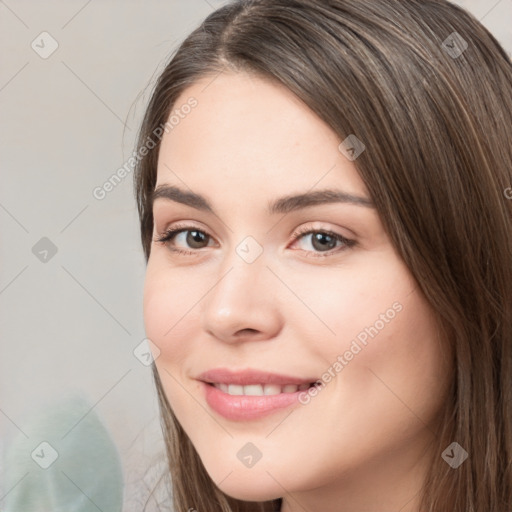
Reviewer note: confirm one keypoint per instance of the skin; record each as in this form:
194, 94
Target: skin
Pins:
360, 445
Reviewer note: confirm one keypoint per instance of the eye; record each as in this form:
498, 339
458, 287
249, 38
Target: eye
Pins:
193, 237
322, 241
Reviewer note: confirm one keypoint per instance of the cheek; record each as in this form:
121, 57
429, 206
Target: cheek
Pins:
165, 311
157, 318
357, 303
383, 347
400, 336
399, 375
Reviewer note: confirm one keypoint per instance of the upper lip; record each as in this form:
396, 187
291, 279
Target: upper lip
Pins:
250, 376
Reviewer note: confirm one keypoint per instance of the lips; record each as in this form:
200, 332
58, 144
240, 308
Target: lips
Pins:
260, 389
251, 394
252, 377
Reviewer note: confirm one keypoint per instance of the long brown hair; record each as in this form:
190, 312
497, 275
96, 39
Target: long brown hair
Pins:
429, 91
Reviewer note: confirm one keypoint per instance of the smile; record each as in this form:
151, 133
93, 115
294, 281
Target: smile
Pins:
260, 389
252, 401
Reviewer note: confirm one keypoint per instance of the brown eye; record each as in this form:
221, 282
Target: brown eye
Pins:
195, 238
323, 242
188, 237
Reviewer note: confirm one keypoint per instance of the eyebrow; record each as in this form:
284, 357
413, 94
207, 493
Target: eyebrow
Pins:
282, 205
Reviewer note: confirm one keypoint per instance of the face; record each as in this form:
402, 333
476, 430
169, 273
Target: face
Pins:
309, 290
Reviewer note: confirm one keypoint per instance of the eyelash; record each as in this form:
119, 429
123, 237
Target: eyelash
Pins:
168, 235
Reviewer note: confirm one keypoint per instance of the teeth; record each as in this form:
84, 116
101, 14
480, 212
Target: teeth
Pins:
253, 389
272, 389
235, 389
260, 389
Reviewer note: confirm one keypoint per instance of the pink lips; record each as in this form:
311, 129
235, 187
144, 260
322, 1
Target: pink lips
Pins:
244, 407
246, 377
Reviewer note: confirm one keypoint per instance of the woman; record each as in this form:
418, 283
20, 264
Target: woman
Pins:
328, 234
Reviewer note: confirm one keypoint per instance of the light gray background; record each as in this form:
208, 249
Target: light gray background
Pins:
69, 325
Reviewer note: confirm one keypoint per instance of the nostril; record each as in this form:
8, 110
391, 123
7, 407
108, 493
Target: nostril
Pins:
243, 332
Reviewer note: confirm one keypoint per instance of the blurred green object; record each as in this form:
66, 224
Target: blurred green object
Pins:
68, 463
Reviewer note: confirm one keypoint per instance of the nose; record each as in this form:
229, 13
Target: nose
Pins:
243, 303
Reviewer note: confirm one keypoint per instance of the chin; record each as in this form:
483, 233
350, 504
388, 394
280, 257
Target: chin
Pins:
249, 486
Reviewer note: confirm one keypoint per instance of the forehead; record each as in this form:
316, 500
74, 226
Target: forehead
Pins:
249, 132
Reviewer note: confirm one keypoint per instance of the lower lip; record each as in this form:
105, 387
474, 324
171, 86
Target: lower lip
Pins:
246, 407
